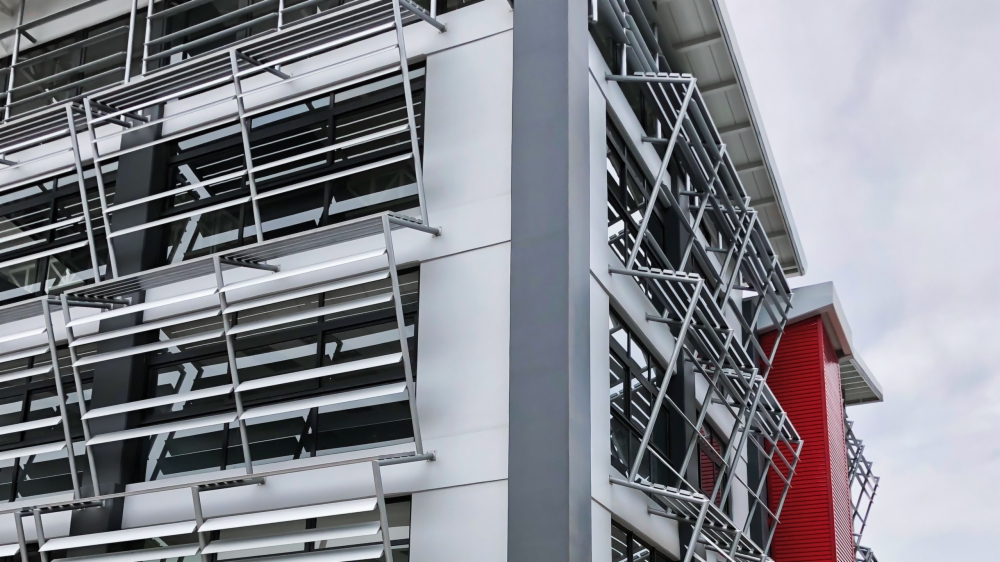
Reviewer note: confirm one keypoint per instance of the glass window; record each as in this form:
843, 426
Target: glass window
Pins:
626, 546
181, 453
635, 379
48, 473
710, 451
53, 200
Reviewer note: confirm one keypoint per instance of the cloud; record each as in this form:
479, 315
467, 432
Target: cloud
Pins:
884, 120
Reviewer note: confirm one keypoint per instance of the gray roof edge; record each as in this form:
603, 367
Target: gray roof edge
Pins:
779, 191
822, 300
866, 374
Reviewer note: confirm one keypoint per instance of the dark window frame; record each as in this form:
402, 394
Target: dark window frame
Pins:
633, 546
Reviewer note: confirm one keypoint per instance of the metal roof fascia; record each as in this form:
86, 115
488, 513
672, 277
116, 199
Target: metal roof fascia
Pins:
725, 25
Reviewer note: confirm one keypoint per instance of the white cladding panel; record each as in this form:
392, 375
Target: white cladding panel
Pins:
460, 524
600, 528
462, 380
468, 122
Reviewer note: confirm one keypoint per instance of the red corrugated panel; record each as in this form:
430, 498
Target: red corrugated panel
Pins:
839, 480
815, 521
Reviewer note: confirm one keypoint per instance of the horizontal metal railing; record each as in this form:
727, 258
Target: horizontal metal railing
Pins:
79, 76
370, 540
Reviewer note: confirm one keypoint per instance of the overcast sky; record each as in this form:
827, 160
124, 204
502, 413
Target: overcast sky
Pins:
884, 120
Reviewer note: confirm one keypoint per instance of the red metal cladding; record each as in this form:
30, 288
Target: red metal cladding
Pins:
816, 519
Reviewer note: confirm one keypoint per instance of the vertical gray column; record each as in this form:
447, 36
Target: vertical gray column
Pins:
140, 173
549, 462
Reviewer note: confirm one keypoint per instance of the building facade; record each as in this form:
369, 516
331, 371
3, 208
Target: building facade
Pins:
428, 280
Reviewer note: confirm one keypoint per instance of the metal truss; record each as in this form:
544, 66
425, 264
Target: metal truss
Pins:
716, 337
115, 298
368, 540
863, 484
220, 78
864, 554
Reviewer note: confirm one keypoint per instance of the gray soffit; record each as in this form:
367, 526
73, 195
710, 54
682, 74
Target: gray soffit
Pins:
857, 383
701, 42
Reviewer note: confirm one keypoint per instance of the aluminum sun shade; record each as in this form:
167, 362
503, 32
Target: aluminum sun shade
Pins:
370, 539
24, 311
329, 30
162, 553
291, 514
121, 103
735, 368
316, 535
170, 427
124, 535
334, 402
286, 289
32, 451
338, 369
120, 107
221, 390
372, 552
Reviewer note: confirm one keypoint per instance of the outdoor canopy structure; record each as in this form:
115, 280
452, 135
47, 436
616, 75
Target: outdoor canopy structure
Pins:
220, 87
701, 307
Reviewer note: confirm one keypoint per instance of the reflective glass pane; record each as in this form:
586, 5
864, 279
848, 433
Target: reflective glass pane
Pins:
361, 427
192, 451
203, 234
49, 473
640, 551
618, 378
189, 376
276, 359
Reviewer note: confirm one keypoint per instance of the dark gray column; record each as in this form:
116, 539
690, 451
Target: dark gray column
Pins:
549, 463
140, 173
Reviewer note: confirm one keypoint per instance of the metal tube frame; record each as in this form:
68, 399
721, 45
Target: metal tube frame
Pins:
85, 423
733, 377
233, 372
247, 154
99, 176
863, 484
85, 207
410, 118
57, 374
401, 327
13, 60
387, 221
